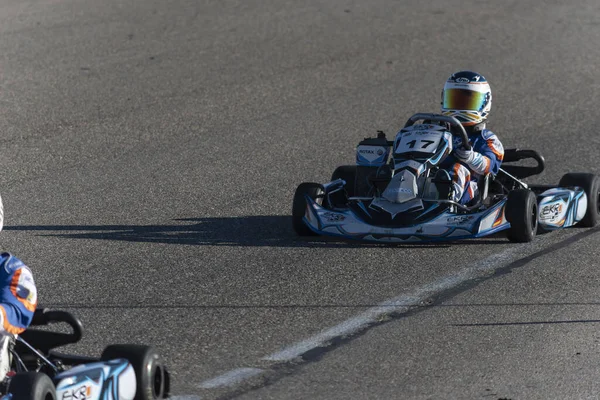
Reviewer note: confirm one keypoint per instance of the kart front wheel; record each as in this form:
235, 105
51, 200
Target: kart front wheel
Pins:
31, 386
590, 183
152, 378
521, 211
315, 192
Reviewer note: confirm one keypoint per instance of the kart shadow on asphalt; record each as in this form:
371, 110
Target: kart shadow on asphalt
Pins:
260, 230
532, 306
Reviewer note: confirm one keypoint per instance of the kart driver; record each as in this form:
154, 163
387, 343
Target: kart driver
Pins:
18, 295
467, 97
18, 300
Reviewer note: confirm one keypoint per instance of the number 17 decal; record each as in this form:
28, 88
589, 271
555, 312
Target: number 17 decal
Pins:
426, 143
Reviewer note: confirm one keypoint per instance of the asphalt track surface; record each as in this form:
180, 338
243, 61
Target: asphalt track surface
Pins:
150, 151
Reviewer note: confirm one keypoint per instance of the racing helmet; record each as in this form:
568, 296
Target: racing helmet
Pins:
467, 97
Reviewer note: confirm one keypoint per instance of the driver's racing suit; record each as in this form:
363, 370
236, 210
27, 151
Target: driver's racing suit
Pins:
487, 156
18, 300
18, 295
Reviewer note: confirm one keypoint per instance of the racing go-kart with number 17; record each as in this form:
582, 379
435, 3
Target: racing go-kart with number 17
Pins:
396, 192
31, 369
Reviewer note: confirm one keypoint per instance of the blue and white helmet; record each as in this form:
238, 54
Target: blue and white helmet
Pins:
468, 97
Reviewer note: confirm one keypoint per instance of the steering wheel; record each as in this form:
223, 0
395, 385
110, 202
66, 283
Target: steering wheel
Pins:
456, 128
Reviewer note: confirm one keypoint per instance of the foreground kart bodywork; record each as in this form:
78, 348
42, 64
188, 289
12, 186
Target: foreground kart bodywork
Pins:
559, 208
122, 372
398, 194
445, 226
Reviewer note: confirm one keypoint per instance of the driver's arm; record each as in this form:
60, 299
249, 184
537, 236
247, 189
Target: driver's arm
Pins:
486, 155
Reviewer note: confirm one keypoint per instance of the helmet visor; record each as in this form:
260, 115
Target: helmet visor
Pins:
461, 99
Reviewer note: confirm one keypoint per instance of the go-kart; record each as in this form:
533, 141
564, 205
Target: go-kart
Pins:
397, 192
35, 371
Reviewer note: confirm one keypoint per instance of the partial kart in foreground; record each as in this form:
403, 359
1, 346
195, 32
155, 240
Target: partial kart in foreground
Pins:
396, 192
33, 370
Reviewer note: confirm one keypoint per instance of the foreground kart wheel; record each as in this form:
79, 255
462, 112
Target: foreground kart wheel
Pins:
347, 173
522, 213
31, 386
151, 374
314, 191
590, 183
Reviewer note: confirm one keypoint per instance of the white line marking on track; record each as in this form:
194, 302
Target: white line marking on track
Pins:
399, 304
396, 305
231, 378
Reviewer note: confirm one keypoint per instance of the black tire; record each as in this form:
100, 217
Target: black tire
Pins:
31, 386
521, 211
590, 183
314, 191
150, 372
347, 173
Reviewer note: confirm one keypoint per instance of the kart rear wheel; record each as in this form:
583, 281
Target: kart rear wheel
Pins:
151, 374
590, 183
31, 386
521, 211
347, 173
315, 192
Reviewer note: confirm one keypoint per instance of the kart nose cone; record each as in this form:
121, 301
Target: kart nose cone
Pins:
402, 187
